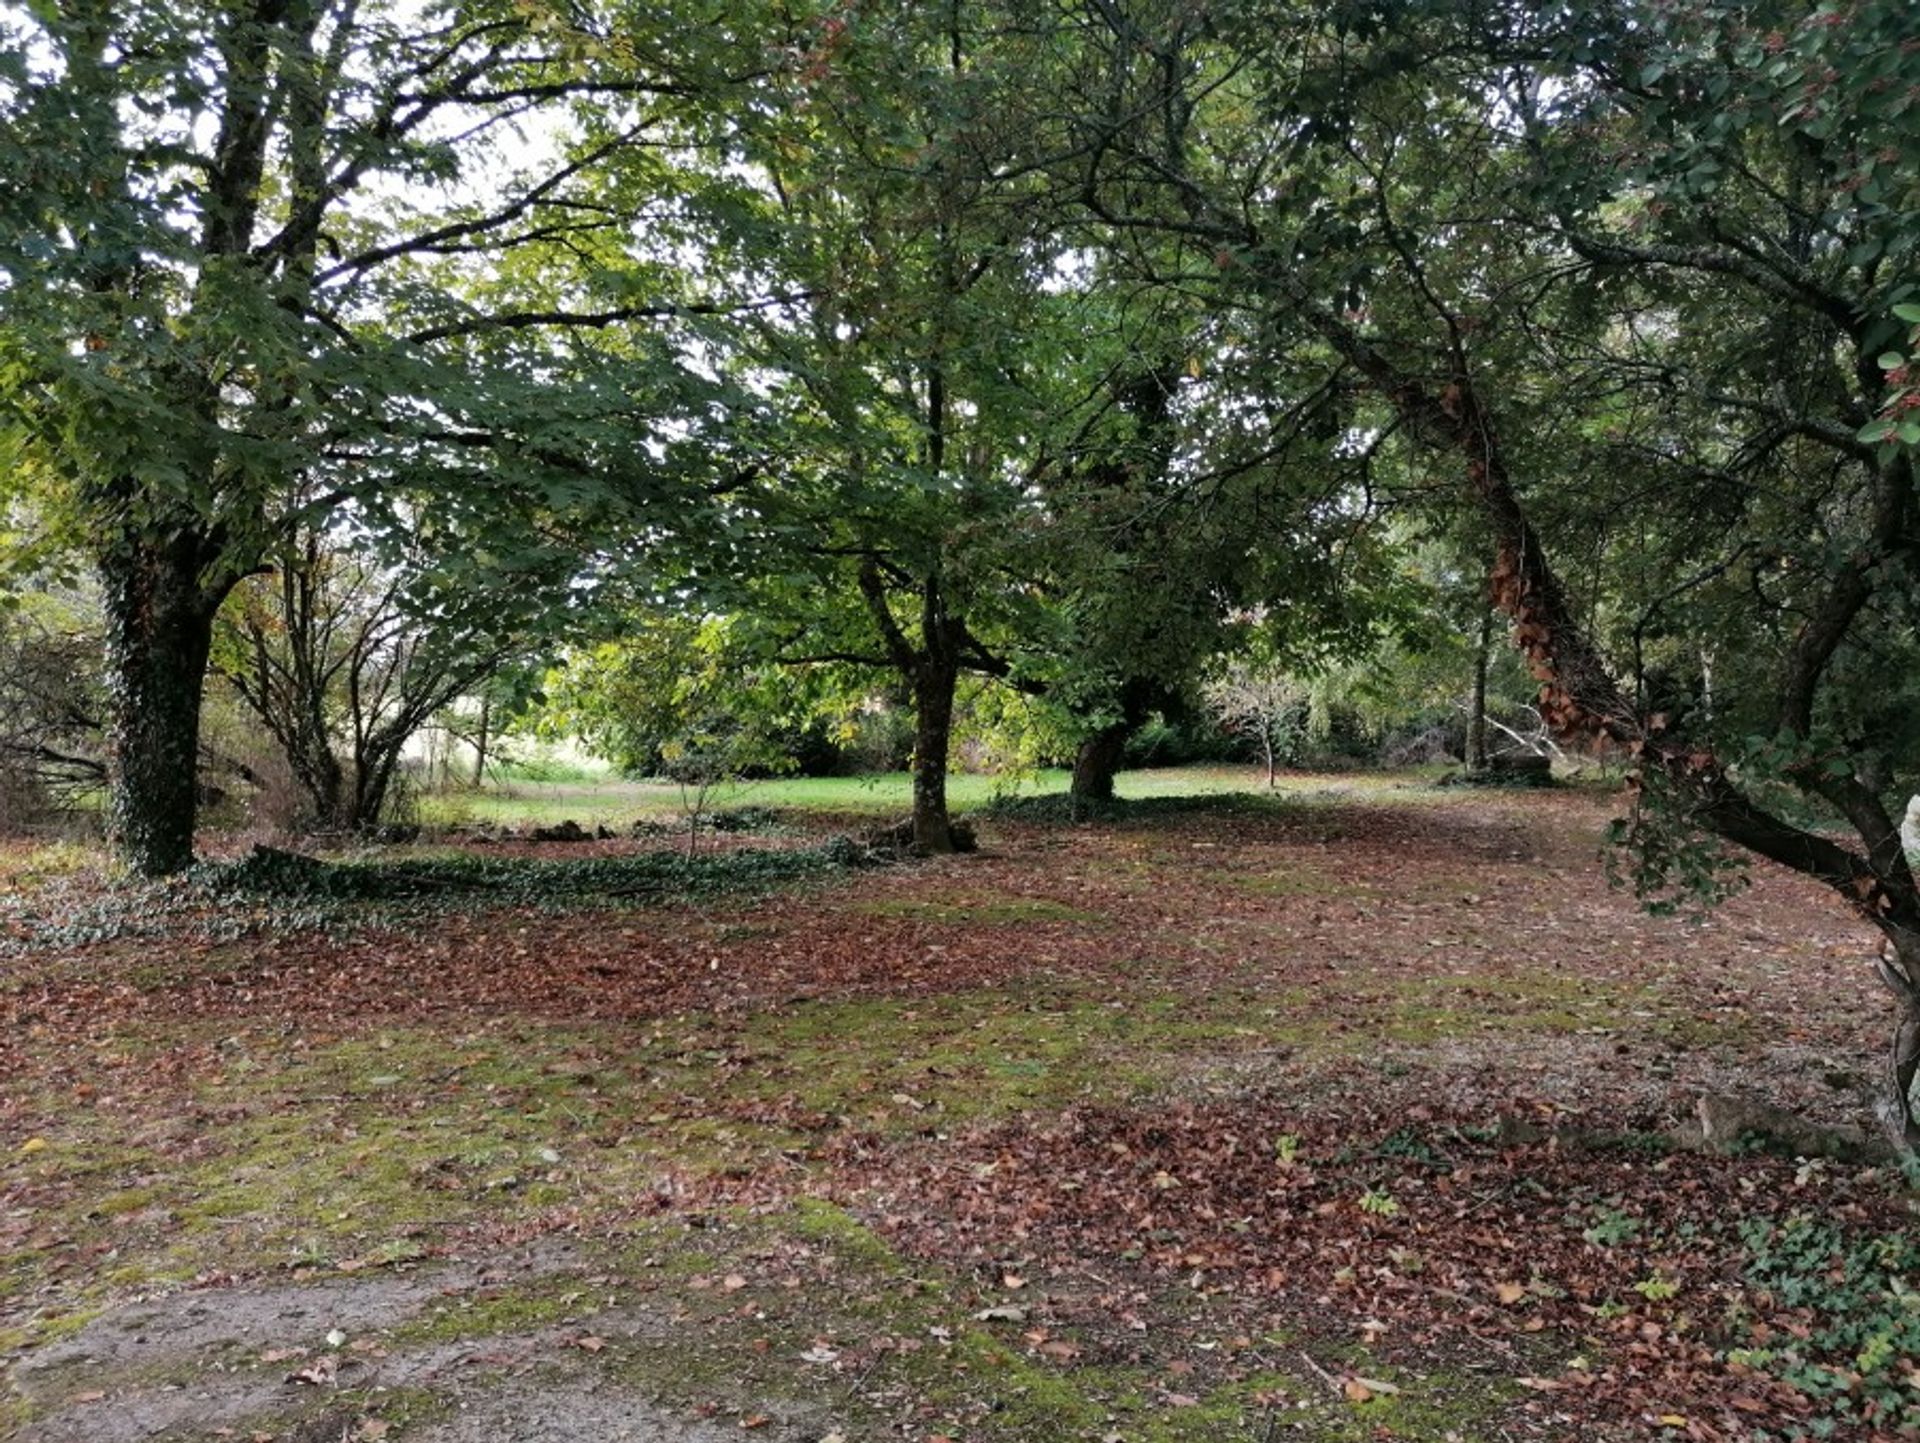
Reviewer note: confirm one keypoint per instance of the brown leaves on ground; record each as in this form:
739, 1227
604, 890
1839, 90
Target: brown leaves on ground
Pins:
1428, 968
1486, 1259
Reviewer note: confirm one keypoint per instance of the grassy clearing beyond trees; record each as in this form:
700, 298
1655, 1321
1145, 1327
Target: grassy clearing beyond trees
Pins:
1296, 1116
611, 801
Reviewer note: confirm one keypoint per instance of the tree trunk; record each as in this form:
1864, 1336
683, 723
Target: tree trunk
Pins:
1903, 1065
320, 773
480, 740
1477, 705
1894, 1107
159, 634
1266, 748
1098, 761
933, 691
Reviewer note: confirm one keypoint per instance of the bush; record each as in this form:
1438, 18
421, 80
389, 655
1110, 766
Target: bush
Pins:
1180, 742
24, 803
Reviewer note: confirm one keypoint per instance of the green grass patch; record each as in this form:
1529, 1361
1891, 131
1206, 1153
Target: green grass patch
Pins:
530, 799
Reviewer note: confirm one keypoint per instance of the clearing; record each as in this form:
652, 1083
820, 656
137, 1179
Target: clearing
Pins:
1346, 1114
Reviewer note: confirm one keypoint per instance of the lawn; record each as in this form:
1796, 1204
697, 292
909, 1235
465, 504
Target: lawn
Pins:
610, 801
1355, 1112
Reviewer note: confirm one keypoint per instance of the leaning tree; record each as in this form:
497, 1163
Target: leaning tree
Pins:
1640, 276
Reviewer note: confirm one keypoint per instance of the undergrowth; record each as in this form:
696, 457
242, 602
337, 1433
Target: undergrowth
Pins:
280, 891
1857, 1354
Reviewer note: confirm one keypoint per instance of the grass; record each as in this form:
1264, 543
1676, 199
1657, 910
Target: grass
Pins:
528, 800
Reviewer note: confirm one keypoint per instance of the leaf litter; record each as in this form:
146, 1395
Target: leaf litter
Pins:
1427, 1141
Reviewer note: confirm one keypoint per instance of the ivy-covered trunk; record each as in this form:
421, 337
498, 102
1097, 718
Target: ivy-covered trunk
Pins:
934, 683
159, 623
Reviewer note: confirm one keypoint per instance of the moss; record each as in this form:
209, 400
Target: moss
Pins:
821, 1222
405, 1408
972, 1055
48, 1328
1699, 1031
496, 1312
1430, 1408
1026, 1399
1433, 1008
1293, 881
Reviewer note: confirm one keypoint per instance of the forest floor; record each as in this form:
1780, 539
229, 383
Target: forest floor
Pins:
1346, 1115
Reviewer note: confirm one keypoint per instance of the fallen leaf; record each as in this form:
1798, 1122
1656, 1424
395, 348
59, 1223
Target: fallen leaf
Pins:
318, 1373
589, 1343
1510, 1293
734, 1282
1002, 1313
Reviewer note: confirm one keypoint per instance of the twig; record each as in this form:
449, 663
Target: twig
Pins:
1324, 1376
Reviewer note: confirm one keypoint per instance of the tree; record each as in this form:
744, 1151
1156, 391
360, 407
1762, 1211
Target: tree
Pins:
1256, 699
344, 660
678, 696
903, 402
240, 237
50, 704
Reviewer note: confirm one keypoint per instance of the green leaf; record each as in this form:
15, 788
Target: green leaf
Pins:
1891, 360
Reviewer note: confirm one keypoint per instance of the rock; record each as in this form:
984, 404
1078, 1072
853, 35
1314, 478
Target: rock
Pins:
567, 831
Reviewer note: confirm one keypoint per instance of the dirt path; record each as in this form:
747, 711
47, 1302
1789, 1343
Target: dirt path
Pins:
365, 1359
